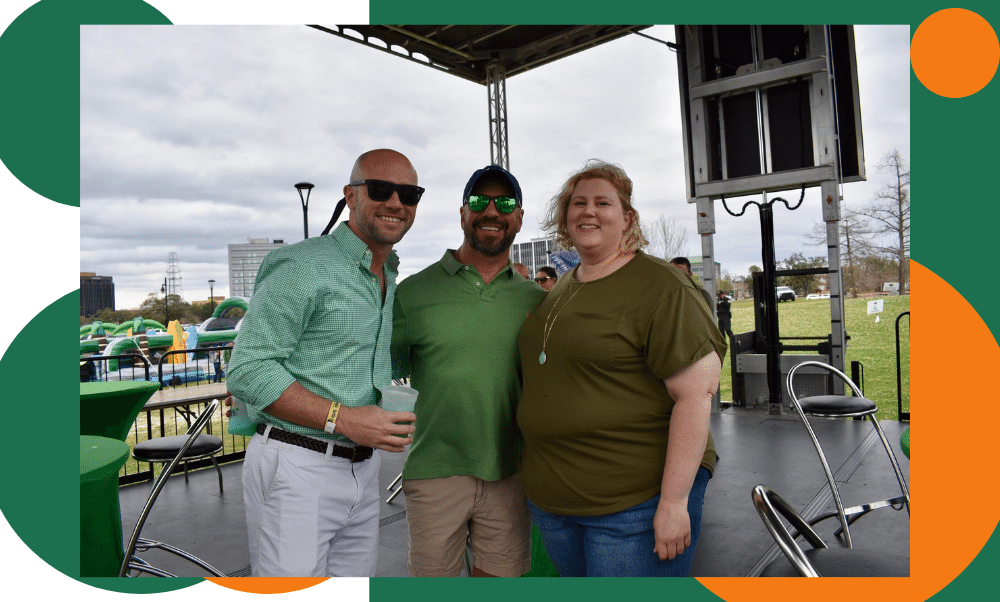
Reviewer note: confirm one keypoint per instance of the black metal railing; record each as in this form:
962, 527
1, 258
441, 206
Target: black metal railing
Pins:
98, 368
196, 368
164, 419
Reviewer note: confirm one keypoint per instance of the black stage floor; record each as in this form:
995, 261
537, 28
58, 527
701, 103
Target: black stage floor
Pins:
754, 448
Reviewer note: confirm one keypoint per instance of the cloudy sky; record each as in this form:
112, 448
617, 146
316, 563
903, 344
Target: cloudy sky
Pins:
193, 136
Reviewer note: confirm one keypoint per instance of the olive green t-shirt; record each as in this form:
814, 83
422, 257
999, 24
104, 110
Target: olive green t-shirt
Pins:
596, 415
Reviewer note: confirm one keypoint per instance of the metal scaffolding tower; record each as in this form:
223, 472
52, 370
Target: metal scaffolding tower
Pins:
496, 90
174, 280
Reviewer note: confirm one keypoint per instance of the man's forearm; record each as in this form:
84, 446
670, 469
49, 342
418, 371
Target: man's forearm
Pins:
300, 406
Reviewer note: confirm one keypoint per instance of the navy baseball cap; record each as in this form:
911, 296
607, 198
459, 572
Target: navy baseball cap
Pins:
492, 170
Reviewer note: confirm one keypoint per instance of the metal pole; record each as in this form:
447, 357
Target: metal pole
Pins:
211, 294
773, 347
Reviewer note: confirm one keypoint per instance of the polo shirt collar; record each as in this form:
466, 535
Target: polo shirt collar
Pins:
452, 266
355, 248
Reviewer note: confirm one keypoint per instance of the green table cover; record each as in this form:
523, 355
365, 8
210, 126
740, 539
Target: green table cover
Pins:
101, 549
108, 409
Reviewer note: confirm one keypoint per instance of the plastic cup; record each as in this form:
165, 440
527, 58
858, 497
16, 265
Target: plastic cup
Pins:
239, 420
399, 399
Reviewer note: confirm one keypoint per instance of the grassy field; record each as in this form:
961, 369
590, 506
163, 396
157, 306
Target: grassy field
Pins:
871, 343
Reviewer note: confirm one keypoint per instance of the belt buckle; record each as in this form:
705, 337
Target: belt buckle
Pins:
356, 456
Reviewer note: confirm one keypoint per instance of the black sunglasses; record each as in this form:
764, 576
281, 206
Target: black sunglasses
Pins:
541, 280
381, 191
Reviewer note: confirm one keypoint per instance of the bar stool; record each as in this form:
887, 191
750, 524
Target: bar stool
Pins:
132, 564
164, 449
821, 560
844, 406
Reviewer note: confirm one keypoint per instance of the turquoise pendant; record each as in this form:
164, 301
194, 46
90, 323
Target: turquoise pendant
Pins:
541, 358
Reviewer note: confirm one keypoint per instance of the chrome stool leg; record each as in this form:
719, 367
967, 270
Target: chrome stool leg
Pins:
843, 406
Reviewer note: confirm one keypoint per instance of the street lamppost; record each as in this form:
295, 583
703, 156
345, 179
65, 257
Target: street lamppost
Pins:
307, 187
166, 306
211, 294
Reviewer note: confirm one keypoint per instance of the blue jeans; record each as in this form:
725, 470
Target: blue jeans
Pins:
619, 544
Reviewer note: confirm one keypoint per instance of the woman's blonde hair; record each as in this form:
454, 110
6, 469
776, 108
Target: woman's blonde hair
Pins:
594, 169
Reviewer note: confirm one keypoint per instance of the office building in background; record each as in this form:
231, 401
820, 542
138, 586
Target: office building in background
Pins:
245, 260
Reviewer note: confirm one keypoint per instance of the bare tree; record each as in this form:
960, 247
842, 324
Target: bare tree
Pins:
667, 239
855, 242
890, 208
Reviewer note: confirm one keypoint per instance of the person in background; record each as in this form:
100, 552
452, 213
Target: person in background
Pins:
312, 353
455, 329
725, 313
684, 265
546, 277
620, 363
522, 269
216, 361
227, 355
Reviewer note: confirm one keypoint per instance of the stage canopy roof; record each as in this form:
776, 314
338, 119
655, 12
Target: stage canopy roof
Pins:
466, 50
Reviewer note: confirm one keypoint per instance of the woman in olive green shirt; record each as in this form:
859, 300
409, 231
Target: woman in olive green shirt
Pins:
620, 363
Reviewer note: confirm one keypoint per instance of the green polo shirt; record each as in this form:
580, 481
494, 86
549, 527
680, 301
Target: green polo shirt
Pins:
456, 338
316, 317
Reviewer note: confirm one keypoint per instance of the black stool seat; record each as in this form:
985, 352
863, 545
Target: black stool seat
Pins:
165, 448
837, 405
845, 562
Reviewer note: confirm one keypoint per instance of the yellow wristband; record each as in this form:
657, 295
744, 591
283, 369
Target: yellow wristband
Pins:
331, 418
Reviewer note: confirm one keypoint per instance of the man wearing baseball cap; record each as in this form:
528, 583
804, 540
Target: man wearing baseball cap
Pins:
455, 329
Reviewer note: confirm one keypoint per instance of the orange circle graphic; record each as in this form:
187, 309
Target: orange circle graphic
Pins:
954, 53
267, 585
951, 348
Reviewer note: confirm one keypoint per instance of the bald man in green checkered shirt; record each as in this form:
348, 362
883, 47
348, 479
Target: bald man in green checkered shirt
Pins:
312, 352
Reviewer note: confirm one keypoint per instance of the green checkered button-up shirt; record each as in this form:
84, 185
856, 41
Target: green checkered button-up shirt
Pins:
316, 317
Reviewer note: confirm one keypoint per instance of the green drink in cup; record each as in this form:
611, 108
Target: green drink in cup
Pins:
399, 399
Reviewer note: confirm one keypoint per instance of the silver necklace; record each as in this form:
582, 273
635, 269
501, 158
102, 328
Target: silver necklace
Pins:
548, 326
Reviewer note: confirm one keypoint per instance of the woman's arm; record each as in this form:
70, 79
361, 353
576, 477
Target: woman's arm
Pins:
692, 389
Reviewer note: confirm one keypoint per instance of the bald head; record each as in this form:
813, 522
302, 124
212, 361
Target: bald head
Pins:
374, 162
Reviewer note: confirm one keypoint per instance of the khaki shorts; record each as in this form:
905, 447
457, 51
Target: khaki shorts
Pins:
442, 513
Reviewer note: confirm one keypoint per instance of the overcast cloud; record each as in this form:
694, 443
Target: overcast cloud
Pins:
193, 136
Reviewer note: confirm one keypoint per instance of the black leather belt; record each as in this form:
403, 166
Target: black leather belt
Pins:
359, 453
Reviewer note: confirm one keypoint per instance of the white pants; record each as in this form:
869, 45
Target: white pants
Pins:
310, 514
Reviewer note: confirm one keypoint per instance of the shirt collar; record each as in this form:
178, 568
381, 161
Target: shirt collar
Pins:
355, 248
452, 266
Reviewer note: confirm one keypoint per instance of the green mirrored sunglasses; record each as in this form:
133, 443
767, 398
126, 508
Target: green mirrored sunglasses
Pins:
479, 202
